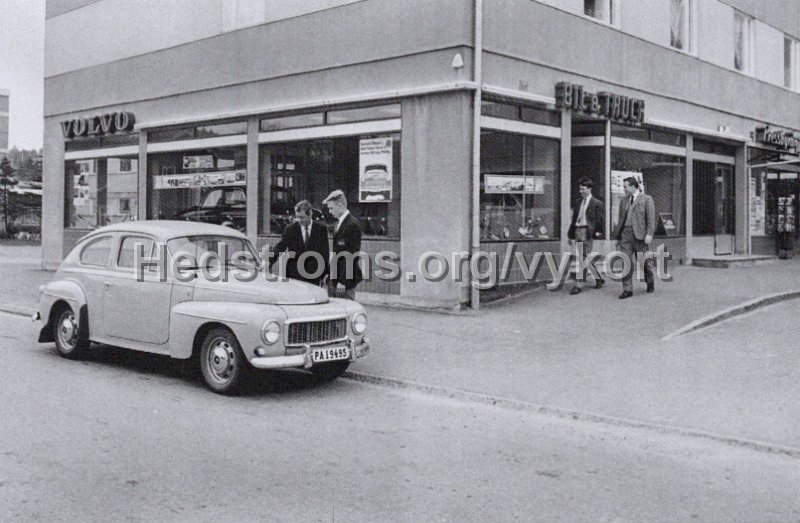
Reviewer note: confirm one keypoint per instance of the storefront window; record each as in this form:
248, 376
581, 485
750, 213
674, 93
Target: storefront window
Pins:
200, 131
663, 177
523, 113
101, 191
366, 168
204, 185
519, 187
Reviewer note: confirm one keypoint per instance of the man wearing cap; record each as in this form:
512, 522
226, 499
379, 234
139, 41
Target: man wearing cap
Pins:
346, 269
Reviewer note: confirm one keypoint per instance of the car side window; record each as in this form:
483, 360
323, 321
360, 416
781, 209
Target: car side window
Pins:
97, 252
127, 250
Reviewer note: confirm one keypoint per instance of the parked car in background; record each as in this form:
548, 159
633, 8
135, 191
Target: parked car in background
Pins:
219, 206
230, 328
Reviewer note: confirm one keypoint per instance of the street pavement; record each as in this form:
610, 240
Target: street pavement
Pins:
710, 404
124, 436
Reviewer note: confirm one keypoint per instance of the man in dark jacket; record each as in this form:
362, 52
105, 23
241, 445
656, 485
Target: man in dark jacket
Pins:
306, 241
346, 269
588, 224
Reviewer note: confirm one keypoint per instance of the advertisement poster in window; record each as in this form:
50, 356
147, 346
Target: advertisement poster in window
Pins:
758, 212
375, 170
505, 184
204, 161
189, 181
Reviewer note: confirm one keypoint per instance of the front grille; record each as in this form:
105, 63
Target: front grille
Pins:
316, 331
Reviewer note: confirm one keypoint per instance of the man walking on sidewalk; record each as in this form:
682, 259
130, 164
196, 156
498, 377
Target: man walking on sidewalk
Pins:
588, 223
634, 233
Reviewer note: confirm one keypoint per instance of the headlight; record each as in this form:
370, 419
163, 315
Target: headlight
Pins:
271, 332
359, 323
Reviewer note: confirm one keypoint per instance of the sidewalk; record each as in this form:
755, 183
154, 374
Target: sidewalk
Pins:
593, 353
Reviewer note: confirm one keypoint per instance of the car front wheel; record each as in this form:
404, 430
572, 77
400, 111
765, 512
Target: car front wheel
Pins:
222, 362
66, 332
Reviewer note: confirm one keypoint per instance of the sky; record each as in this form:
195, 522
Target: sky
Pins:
22, 69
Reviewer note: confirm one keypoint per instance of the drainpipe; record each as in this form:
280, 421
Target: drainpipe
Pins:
476, 147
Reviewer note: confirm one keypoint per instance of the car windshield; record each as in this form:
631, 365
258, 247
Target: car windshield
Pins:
238, 253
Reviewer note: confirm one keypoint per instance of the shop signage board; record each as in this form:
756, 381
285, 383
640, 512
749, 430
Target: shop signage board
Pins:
779, 139
203, 161
108, 123
191, 181
501, 183
375, 170
603, 104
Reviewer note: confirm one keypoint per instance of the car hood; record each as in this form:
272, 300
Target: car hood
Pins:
281, 292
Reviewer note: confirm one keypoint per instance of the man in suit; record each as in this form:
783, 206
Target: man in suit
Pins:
346, 248
634, 233
588, 223
306, 241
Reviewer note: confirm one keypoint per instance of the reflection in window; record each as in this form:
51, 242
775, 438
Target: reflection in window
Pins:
101, 191
519, 187
97, 252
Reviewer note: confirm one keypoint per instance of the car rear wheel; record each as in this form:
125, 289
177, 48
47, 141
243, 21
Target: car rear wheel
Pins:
66, 332
222, 362
329, 371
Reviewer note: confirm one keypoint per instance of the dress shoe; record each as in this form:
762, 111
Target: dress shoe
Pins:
575, 290
651, 287
625, 294
599, 283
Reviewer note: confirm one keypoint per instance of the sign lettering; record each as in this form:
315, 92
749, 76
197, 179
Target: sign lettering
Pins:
603, 104
108, 123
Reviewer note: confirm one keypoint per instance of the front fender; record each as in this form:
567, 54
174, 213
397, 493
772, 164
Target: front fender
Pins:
67, 291
243, 319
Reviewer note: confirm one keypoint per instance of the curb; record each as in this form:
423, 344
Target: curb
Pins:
599, 419
19, 310
732, 312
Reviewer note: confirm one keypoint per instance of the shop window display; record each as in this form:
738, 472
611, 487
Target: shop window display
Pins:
366, 168
204, 185
101, 191
662, 176
519, 187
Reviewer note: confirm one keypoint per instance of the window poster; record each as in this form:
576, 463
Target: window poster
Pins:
203, 161
189, 181
375, 170
758, 210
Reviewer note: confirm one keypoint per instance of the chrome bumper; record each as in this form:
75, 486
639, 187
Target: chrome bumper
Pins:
304, 360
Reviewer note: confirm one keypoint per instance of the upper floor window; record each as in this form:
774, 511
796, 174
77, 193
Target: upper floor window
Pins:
742, 42
680, 36
603, 10
791, 63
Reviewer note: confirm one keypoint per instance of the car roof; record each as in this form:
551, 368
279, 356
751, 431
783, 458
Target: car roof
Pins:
164, 230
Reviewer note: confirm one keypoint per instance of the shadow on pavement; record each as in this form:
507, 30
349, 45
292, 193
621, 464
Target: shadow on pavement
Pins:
260, 382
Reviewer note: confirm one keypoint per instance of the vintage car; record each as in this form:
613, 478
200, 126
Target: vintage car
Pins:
229, 326
221, 206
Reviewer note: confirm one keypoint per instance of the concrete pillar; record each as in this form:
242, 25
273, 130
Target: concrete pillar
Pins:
141, 198
436, 187
689, 202
253, 205
53, 194
742, 185
607, 176
566, 177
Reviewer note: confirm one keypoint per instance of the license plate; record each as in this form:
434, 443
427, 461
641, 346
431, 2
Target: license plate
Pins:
330, 354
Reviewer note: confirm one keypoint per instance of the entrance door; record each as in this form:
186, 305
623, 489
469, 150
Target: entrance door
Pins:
723, 210
713, 201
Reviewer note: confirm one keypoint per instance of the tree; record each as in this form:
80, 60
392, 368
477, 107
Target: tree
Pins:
7, 181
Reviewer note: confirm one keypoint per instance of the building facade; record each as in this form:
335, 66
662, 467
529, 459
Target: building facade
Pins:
452, 126
4, 98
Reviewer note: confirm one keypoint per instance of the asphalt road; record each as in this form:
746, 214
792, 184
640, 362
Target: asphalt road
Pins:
125, 436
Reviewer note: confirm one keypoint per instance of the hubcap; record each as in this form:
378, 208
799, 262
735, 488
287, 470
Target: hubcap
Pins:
221, 361
68, 330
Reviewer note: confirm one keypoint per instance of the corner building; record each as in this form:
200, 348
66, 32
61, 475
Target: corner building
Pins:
171, 108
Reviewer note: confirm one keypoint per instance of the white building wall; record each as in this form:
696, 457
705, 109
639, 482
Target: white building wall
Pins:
118, 29
648, 20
